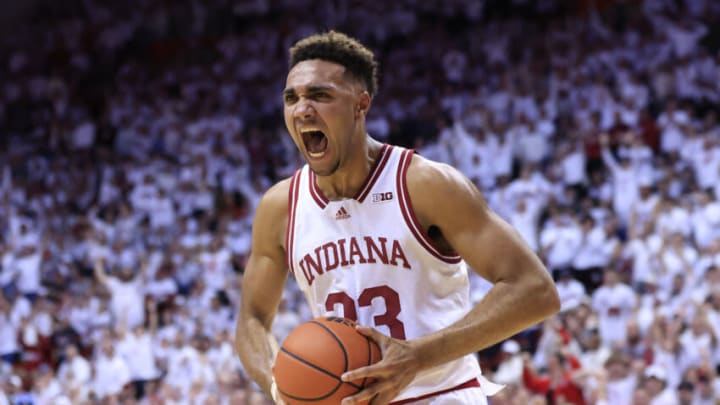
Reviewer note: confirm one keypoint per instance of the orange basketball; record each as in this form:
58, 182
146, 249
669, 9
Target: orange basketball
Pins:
315, 355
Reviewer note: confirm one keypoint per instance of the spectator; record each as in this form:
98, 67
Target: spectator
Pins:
621, 379
215, 265
705, 393
625, 181
559, 382
559, 240
594, 253
571, 291
656, 386
614, 303
75, 374
9, 350
111, 372
136, 349
125, 290
118, 149
510, 370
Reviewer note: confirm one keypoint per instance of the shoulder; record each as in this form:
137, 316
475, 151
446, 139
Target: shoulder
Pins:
276, 198
442, 197
439, 183
271, 216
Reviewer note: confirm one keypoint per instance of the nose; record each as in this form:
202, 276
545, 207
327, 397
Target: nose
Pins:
303, 109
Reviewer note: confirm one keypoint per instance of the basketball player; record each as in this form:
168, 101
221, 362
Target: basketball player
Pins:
378, 234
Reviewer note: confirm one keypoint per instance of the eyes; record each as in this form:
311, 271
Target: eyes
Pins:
321, 96
290, 98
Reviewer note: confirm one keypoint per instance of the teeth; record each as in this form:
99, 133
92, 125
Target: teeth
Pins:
316, 155
306, 130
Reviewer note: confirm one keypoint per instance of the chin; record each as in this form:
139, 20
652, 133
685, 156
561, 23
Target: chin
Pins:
324, 171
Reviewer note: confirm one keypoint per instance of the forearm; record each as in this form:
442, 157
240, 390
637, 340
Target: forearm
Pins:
506, 310
257, 347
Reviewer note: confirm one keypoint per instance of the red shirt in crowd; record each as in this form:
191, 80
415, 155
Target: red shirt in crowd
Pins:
565, 389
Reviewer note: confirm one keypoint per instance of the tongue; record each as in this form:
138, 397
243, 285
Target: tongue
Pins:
317, 143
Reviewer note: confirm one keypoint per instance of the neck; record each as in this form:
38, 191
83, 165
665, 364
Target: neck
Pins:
351, 176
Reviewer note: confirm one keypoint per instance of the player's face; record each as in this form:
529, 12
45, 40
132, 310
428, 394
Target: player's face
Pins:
323, 112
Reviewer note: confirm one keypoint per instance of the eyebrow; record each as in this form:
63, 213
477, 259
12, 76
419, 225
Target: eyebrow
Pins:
310, 89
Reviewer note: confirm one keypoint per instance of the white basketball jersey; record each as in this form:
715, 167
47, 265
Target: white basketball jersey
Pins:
368, 259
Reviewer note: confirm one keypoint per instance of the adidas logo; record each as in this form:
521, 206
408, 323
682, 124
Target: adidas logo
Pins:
342, 214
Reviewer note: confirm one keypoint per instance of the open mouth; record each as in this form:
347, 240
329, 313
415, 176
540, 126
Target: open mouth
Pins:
315, 142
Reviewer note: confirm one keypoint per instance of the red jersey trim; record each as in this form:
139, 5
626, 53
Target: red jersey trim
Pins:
315, 191
375, 172
322, 201
409, 215
293, 197
467, 384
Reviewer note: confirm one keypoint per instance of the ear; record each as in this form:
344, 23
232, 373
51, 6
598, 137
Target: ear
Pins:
363, 104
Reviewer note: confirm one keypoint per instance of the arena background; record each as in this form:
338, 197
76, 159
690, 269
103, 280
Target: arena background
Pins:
136, 139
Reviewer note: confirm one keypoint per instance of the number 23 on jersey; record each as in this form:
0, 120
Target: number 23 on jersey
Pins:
392, 307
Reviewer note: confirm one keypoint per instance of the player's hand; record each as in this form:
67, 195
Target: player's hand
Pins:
393, 373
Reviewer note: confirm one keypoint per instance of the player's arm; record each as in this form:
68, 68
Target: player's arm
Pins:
262, 287
523, 292
522, 295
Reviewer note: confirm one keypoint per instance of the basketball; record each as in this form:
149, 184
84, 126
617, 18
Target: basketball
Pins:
314, 356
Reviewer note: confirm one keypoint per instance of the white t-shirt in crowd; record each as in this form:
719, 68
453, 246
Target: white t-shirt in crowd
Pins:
502, 156
621, 391
615, 306
75, 372
8, 335
573, 168
594, 250
161, 289
706, 164
625, 185
162, 212
526, 221
285, 322
561, 242
533, 147
571, 292
111, 375
27, 270
137, 351
214, 268
127, 301
706, 224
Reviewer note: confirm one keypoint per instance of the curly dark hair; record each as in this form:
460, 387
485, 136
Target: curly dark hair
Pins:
336, 47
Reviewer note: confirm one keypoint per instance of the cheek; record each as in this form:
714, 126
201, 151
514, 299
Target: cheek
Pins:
287, 116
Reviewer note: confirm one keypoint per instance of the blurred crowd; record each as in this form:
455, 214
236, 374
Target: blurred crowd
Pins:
137, 138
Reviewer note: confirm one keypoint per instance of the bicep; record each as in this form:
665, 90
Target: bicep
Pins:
266, 271
486, 242
490, 246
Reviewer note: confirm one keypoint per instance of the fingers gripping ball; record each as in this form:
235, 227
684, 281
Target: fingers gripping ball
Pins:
315, 355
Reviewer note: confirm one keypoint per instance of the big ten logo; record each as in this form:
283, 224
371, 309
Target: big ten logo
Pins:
382, 197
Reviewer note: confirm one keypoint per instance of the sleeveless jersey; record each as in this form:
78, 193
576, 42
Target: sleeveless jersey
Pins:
368, 259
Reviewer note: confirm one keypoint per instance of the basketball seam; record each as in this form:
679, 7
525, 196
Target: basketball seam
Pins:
339, 342
320, 369
358, 388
